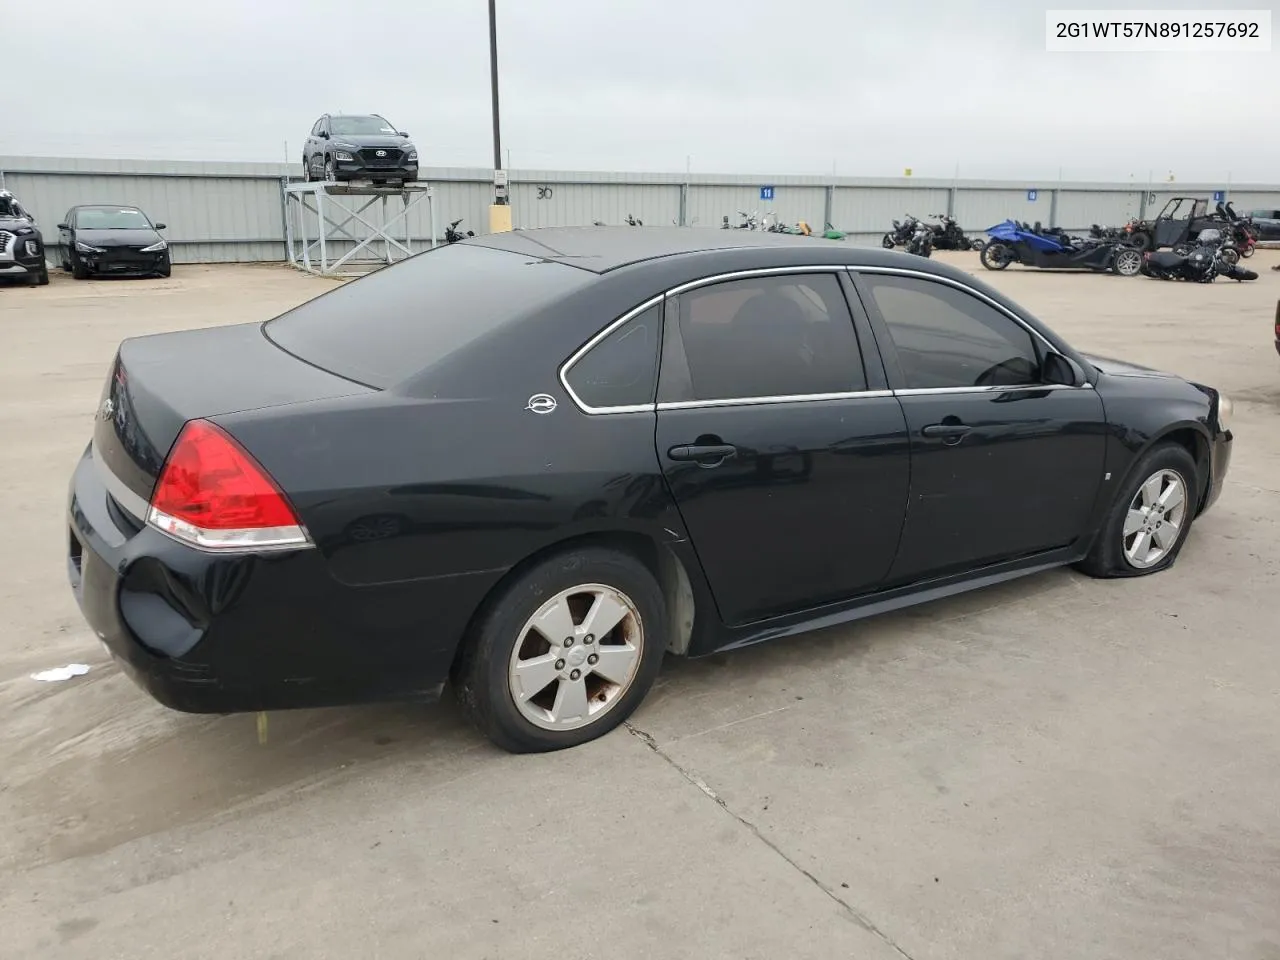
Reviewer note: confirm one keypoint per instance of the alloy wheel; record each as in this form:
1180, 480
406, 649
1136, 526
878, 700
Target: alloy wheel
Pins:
1128, 262
576, 657
1155, 519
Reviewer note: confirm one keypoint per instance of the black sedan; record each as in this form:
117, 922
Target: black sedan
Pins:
533, 462
114, 240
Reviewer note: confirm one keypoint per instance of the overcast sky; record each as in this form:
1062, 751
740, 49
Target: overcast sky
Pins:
864, 87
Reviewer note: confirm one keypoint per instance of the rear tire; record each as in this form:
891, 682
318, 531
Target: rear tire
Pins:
978, 245
517, 683
1118, 550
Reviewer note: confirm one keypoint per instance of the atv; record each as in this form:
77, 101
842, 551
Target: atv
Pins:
1179, 222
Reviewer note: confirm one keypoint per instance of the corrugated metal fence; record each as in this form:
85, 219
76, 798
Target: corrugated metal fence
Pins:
220, 212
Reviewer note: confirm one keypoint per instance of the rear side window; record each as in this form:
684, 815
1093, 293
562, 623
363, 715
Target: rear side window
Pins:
622, 369
393, 323
774, 336
946, 338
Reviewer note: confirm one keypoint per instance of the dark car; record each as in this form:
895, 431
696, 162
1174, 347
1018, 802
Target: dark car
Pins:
1266, 223
108, 239
22, 253
358, 147
535, 461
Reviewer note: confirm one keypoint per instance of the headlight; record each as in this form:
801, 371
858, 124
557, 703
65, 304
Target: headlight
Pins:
342, 155
85, 248
156, 247
1225, 409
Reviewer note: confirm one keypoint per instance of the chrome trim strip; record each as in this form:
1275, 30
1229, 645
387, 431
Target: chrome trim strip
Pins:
1018, 388
753, 401
832, 268
129, 501
586, 348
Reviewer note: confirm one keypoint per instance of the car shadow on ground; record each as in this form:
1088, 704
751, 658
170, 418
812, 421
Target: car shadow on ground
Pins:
94, 762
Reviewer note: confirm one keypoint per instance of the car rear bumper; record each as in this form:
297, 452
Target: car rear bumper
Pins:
212, 633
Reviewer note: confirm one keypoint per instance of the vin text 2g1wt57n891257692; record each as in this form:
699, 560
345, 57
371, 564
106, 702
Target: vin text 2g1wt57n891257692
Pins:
533, 462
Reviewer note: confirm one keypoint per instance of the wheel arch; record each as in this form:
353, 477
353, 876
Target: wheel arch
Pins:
666, 565
1192, 437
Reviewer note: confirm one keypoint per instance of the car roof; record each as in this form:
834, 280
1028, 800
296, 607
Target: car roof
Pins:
106, 206
602, 249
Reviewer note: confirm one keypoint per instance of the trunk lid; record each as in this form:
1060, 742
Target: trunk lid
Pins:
158, 383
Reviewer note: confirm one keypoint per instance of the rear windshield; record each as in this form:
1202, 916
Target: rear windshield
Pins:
393, 323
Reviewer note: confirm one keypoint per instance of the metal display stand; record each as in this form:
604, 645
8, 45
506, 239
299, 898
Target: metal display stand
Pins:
320, 217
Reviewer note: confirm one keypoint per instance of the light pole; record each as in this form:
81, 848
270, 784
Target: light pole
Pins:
500, 211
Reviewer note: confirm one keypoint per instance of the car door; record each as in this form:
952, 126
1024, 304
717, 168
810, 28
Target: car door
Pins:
1003, 463
67, 235
1173, 228
786, 455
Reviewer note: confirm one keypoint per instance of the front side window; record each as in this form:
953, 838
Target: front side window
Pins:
773, 336
946, 338
622, 369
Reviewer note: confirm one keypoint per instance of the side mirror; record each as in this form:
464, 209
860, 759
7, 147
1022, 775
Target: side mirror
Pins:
159, 226
403, 134
63, 226
1061, 370
324, 134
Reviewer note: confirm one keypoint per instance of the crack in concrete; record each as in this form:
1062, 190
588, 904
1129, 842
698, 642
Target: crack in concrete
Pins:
856, 915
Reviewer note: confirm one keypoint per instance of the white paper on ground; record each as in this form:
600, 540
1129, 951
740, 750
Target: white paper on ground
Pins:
61, 673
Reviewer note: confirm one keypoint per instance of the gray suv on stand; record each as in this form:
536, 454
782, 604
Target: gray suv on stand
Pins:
358, 147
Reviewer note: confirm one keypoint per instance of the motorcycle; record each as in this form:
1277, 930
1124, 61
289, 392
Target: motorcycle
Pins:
452, 234
901, 233
1241, 232
1203, 263
1013, 241
921, 242
947, 235
633, 222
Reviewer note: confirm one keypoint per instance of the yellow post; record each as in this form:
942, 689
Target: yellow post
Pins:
499, 217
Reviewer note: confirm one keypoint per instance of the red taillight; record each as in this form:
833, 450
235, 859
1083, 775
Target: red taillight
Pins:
213, 494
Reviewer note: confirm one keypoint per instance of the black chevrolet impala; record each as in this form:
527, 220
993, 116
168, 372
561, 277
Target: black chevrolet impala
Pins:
531, 463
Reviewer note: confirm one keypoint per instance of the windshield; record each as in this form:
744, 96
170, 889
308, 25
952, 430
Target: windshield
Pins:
111, 218
399, 320
356, 126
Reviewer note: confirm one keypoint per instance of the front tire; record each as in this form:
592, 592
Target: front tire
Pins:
887, 242
1141, 240
330, 172
40, 279
996, 256
78, 269
1150, 518
565, 653
1127, 262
